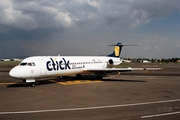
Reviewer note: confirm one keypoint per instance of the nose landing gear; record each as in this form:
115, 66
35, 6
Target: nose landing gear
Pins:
32, 81
33, 84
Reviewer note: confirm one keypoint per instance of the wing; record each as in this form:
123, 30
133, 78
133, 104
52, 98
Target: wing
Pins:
117, 69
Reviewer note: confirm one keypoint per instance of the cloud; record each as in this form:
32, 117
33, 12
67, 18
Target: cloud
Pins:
97, 21
31, 15
48, 14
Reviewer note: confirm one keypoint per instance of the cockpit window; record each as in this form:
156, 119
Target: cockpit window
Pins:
34, 64
27, 64
31, 64
23, 64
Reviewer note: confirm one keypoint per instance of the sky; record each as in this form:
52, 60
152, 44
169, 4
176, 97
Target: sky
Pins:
86, 27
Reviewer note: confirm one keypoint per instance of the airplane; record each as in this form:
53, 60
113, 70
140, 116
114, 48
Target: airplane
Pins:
33, 68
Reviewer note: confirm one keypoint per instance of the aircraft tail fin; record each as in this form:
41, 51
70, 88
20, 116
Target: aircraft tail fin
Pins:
118, 48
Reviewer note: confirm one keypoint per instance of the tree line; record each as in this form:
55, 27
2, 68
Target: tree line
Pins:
152, 60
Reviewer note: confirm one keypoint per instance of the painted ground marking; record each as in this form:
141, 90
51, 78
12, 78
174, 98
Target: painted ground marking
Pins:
86, 108
159, 115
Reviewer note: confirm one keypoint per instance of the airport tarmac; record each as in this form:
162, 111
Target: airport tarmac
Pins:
149, 95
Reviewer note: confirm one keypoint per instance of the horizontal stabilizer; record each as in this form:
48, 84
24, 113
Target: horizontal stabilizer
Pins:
125, 45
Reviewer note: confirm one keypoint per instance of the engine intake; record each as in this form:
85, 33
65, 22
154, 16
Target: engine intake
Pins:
110, 62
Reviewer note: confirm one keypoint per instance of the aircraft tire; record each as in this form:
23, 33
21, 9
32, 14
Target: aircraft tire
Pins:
99, 77
78, 76
33, 85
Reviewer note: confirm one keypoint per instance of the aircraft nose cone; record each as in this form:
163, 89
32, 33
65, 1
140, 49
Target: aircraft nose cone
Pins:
14, 73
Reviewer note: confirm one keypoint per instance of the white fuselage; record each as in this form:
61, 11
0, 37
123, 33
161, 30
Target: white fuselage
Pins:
48, 66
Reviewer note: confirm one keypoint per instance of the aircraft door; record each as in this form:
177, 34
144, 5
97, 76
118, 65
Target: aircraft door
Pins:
43, 66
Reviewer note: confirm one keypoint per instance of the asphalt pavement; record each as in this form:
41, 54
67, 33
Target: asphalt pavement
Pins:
149, 95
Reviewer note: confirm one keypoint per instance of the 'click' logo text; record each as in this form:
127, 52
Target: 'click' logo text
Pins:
57, 65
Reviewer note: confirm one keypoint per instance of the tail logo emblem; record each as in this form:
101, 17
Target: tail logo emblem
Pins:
116, 50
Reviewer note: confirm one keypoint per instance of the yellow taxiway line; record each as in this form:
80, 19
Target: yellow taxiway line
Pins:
6, 83
76, 82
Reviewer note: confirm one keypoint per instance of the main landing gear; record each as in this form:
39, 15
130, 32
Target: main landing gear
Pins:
78, 76
100, 77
